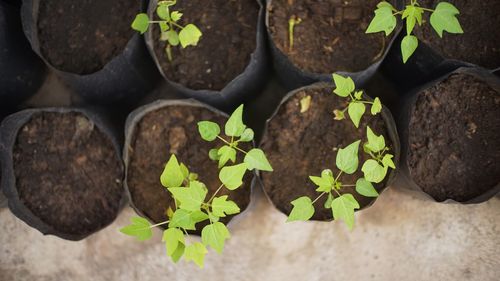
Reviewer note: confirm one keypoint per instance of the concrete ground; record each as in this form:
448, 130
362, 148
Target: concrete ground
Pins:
401, 237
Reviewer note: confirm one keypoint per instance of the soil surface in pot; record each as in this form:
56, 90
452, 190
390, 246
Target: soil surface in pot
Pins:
300, 145
174, 130
480, 42
331, 36
83, 36
67, 172
229, 38
453, 139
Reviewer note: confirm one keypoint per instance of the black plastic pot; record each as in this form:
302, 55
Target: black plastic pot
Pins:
22, 71
292, 77
389, 125
127, 78
403, 116
244, 86
101, 212
133, 124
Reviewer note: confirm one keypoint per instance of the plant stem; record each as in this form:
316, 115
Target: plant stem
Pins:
317, 198
215, 193
338, 176
158, 224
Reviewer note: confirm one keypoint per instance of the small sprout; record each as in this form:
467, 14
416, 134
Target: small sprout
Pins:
305, 103
192, 203
171, 31
342, 203
357, 106
292, 22
443, 18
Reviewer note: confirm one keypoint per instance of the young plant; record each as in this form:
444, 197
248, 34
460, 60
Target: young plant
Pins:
374, 169
171, 31
442, 18
192, 203
292, 22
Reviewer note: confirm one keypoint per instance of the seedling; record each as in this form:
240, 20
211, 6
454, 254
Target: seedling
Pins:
190, 194
171, 31
374, 169
443, 18
292, 22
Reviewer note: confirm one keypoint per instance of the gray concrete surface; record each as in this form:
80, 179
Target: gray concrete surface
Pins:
401, 237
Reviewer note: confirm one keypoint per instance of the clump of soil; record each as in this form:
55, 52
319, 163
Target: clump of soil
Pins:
479, 44
174, 130
453, 139
83, 36
331, 36
229, 38
300, 145
67, 172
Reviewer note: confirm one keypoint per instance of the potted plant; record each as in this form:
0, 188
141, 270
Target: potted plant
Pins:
52, 170
99, 56
311, 39
306, 132
227, 63
195, 197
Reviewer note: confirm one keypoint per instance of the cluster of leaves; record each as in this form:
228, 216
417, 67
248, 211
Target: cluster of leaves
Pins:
171, 31
190, 194
374, 169
443, 18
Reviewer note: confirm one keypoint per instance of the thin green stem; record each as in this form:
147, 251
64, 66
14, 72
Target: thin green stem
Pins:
337, 192
178, 25
158, 224
349, 185
317, 198
215, 193
428, 10
338, 176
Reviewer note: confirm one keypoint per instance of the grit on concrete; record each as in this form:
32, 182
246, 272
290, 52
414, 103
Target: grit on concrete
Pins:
401, 237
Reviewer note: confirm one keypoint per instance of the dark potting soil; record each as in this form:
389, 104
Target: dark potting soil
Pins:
67, 172
453, 139
303, 144
331, 36
229, 37
83, 36
480, 42
174, 130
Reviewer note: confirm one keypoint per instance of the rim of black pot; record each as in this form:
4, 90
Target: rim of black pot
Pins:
133, 120
9, 130
388, 122
300, 78
250, 81
403, 119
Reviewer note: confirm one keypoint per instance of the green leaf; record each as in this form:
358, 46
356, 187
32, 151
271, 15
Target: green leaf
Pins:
163, 28
140, 228
343, 85
176, 256
347, 158
225, 154
373, 171
305, 103
256, 159
365, 188
384, 20
172, 237
232, 176
190, 198
196, 252
182, 218
385, 4
387, 161
189, 35
324, 183
198, 216
444, 19
214, 235
213, 154
358, 95
356, 111
408, 46
339, 115
172, 37
247, 135
141, 23
163, 12
176, 16
208, 130
376, 106
172, 175
328, 202
343, 209
222, 207
375, 143
412, 14
303, 209
234, 125
184, 170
